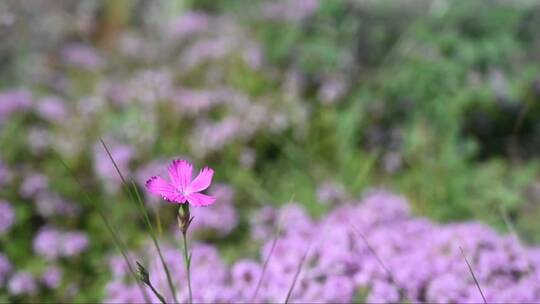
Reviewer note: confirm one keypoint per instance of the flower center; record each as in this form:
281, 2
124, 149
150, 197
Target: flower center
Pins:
184, 191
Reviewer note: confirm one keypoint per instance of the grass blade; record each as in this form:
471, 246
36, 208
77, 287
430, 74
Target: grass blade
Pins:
265, 265
147, 222
277, 232
508, 223
297, 274
117, 241
373, 252
473, 276
122, 248
154, 240
515, 234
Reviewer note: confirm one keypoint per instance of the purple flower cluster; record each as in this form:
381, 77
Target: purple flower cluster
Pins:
82, 56
331, 193
51, 108
246, 118
48, 204
24, 282
5, 174
21, 283
14, 101
52, 277
196, 102
5, 269
331, 90
33, 184
38, 139
221, 219
7, 217
374, 250
188, 43
53, 244
188, 24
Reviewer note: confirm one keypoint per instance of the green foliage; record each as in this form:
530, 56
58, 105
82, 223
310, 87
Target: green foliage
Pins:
413, 76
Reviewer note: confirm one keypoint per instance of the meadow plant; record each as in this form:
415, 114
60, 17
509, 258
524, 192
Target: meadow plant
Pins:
184, 190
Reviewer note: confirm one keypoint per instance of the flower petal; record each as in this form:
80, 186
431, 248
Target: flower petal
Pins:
203, 180
180, 172
159, 186
199, 199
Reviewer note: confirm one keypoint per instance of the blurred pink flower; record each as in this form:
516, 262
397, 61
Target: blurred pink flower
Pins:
182, 188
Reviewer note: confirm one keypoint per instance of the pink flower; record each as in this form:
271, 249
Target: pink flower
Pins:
182, 188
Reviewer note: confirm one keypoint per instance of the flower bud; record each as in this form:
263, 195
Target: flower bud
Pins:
143, 274
184, 218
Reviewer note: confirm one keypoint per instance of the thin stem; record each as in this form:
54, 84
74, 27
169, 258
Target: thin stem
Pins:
143, 211
373, 252
187, 261
277, 233
116, 239
377, 257
156, 293
122, 248
473, 276
265, 266
266, 262
158, 222
156, 243
144, 277
297, 274
515, 234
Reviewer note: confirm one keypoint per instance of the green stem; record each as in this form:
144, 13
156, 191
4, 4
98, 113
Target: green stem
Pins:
187, 261
157, 294
155, 241
116, 239
145, 214
158, 220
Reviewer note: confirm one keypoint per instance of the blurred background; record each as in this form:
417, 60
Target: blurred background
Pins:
311, 101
